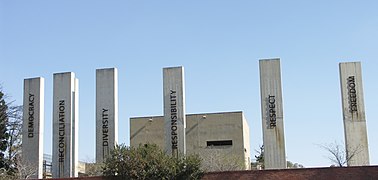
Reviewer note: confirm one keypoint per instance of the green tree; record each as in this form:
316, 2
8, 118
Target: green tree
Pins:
259, 158
217, 160
11, 165
93, 169
150, 162
4, 136
189, 167
14, 130
291, 165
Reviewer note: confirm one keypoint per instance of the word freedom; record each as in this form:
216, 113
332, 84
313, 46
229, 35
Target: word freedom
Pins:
272, 111
173, 102
352, 94
31, 116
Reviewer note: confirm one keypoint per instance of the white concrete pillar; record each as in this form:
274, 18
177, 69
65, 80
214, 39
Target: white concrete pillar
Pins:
174, 110
354, 114
75, 130
33, 125
272, 114
65, 125
106, 112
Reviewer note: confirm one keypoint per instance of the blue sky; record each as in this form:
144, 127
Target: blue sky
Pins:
218, 42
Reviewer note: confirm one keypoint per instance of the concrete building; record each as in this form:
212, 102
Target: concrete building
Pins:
219, 138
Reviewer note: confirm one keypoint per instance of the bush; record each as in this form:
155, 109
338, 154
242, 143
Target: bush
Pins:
150, 162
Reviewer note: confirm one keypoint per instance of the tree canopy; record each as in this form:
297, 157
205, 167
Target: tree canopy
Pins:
11, 166
4, 136
150, 162
260, 160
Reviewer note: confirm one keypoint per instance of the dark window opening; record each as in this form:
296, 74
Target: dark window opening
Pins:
220, 143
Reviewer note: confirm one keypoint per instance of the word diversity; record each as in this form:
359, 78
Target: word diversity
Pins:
105, 127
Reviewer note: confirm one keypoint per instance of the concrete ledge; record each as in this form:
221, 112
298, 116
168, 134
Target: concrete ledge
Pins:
334, 173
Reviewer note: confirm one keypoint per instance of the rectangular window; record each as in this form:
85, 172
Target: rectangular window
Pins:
219, 143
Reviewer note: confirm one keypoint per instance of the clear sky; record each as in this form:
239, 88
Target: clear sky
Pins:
218, 42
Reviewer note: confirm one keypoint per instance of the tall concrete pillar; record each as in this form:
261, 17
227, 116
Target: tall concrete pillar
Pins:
75, 130
33, 124
106, 112
65, 125
272, 114
354, 114
174, 110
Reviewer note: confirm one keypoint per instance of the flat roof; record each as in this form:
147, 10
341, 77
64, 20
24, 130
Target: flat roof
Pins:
191, 114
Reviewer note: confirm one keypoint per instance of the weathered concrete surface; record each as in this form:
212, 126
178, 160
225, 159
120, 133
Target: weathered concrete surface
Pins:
272, 114
33, 124
106, 112
354, 113
174, 110
201, 128
65, 125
